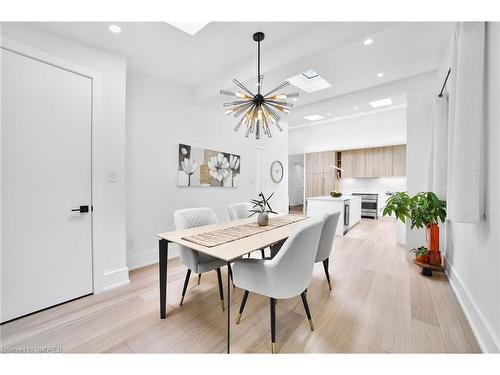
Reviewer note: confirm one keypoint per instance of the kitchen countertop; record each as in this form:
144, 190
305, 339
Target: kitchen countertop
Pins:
330, 198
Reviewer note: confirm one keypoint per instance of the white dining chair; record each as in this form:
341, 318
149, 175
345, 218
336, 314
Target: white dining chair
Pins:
284, 276
238, 211
195, 261
330, 221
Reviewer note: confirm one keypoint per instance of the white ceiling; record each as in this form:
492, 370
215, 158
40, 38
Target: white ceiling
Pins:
157, 48
222, 51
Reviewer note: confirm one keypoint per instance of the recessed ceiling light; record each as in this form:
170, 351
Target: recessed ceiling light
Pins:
115, 29
356, 108
381, 102
379, 75
368, 41
313, 117
328, 114
189, 27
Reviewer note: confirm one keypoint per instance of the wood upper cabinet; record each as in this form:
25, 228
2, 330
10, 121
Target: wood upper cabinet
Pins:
378, 162
399, 160
314, 162
353, 163
329, 162
374, 162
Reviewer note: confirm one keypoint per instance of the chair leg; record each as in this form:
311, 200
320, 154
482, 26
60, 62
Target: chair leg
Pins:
273, 325
263, 253
199, 278
325, 266
306, 307
230, 270
242, 306
221, 292
186, 282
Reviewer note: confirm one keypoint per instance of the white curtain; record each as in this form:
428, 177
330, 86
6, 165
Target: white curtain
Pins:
438, 150
465, 190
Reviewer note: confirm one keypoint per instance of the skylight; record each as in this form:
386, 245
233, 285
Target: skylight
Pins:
309, 81
381, 102
189, 27
313, 117
310, 74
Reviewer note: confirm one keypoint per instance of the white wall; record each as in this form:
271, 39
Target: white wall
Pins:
372, 130
108, 147
296, 179
420, 111
472, 250
159, 117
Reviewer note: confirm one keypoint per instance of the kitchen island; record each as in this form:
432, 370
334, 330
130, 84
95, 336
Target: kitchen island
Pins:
348, 206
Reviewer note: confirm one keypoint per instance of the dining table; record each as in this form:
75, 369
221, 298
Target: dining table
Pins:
229, 250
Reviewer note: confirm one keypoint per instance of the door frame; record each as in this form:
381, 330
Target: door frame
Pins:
96, 119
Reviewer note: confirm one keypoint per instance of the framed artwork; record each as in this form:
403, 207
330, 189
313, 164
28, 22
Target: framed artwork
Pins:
203, 167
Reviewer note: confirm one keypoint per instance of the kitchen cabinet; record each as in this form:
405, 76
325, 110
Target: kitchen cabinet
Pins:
314, 184
354, 211
320, 177
353, 163
314, 162
319, 184
319, 206
374, 162
329, 162
399, 160
378, 162
330, 183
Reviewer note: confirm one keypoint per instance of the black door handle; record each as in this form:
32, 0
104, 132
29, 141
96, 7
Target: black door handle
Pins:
81, 209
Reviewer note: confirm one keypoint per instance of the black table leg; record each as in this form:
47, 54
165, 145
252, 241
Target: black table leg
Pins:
228, 310
163, 260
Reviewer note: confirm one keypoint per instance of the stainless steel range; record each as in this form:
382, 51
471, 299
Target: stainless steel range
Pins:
369, 205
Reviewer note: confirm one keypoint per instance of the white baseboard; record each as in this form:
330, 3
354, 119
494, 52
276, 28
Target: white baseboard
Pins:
116, 278
150, 257
485, 335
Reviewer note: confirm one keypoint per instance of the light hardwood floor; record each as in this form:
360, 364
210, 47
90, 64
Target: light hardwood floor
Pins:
380, 303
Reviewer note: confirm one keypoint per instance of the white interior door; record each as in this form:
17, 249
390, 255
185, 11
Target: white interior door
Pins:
46, 172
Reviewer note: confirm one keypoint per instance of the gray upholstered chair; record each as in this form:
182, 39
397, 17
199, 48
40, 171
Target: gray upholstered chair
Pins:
330, 221
238, 211
286, 275
194, 261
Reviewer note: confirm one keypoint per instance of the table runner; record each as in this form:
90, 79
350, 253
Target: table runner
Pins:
222, 236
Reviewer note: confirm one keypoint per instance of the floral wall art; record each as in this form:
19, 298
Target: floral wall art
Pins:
202, 167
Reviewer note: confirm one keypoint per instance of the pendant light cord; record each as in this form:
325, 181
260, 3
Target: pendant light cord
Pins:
258, 67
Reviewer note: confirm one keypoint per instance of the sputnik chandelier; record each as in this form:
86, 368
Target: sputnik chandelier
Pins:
256, 110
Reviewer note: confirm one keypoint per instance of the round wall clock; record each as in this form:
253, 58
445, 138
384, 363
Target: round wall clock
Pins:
276, 171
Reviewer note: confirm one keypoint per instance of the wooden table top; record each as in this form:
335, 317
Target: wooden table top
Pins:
235, 249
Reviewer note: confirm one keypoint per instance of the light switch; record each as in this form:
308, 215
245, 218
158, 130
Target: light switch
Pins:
113, 176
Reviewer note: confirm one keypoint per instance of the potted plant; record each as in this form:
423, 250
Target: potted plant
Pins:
424, 209
261, 206
421, 254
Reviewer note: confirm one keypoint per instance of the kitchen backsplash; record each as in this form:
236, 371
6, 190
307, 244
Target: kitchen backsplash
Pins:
372, 185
